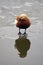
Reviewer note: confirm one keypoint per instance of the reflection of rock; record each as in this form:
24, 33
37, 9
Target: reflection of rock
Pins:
23, 45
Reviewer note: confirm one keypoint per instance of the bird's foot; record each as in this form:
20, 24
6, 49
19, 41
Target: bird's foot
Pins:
24, 32
19, 33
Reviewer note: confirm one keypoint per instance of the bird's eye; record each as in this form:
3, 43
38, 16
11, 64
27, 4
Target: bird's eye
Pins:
19, 20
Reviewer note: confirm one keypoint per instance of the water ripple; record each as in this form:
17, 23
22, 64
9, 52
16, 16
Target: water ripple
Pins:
13, 7
2, 16
28, 4
6, 7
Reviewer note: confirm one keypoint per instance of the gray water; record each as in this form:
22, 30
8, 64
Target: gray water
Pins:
32, 46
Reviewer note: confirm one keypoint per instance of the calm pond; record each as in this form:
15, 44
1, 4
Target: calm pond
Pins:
21, 49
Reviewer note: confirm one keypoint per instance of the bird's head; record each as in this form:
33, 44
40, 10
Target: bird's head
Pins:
21, 18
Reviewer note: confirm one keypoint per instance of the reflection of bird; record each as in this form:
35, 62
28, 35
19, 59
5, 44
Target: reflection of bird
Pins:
23, 45
22, 22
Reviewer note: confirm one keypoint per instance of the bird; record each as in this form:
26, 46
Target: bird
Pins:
22, 22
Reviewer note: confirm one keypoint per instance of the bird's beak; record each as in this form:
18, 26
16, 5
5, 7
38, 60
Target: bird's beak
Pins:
15, 22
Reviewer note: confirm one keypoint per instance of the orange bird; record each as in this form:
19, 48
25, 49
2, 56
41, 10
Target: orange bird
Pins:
22, 22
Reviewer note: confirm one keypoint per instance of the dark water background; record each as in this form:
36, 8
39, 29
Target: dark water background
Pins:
21, 50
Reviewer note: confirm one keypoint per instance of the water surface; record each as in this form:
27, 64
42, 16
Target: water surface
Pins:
21, 50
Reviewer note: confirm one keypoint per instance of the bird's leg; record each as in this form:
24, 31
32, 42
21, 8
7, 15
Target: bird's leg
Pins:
19, 31
25, 31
